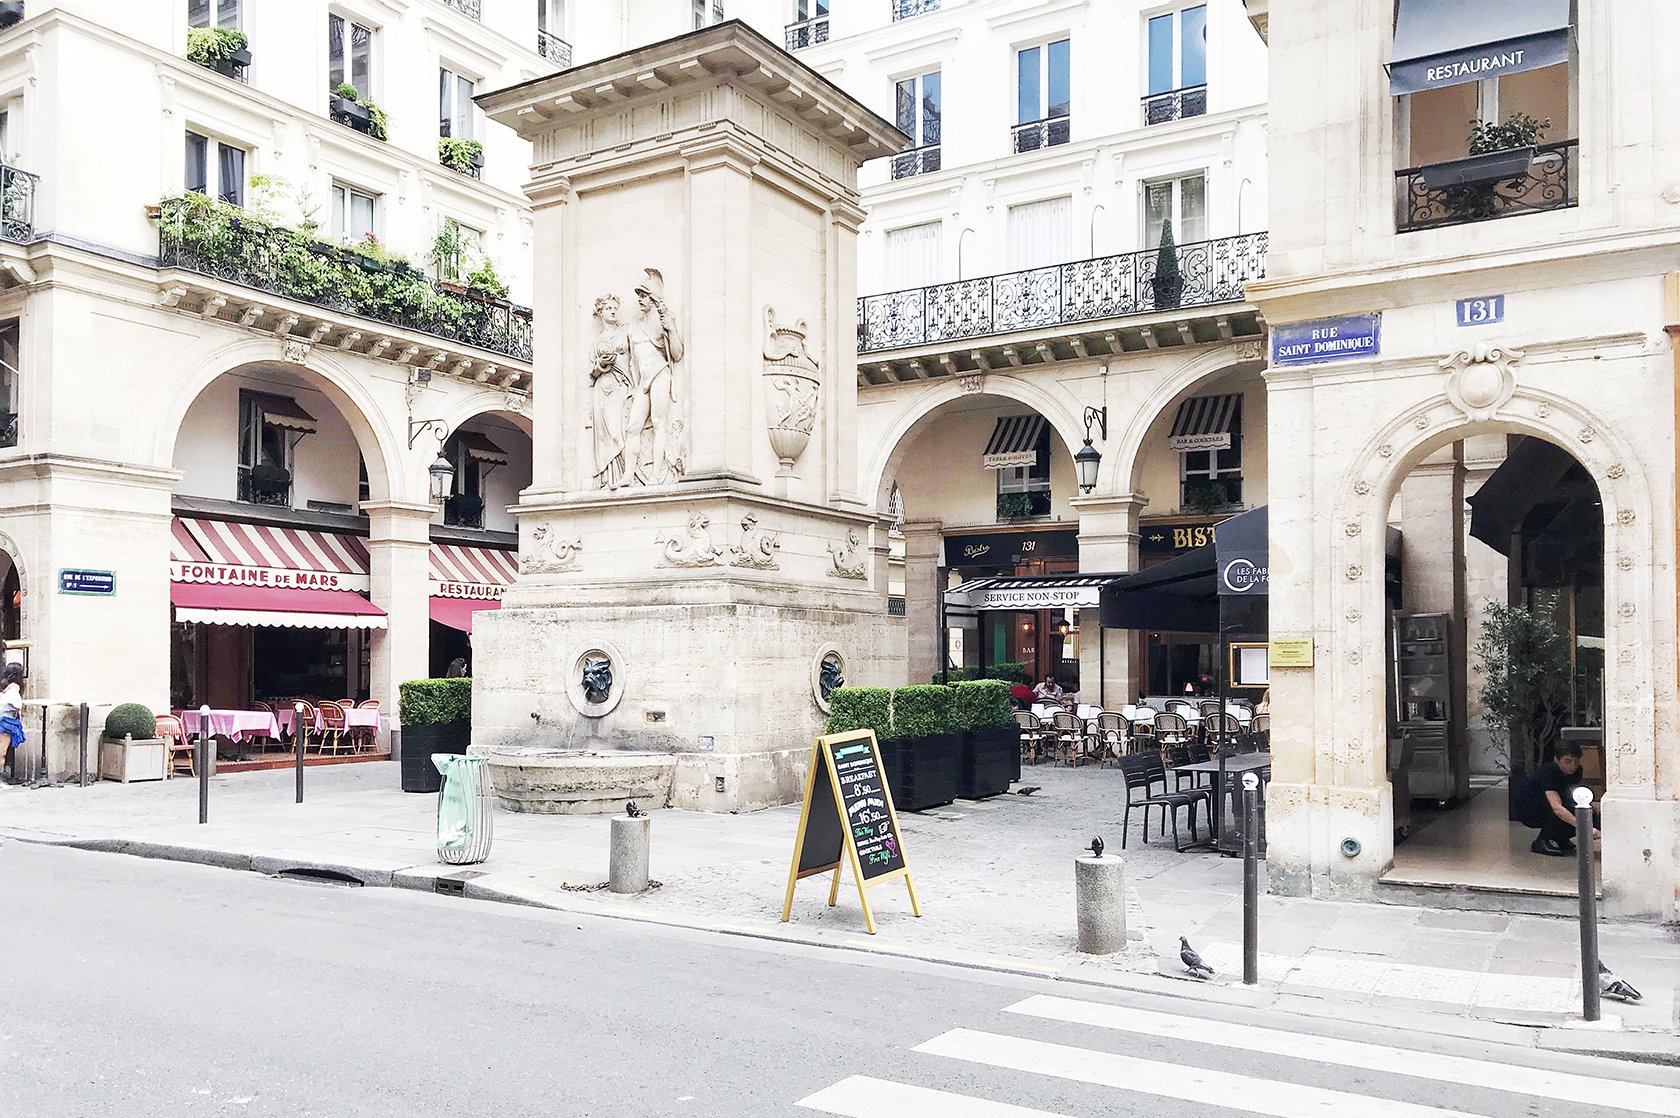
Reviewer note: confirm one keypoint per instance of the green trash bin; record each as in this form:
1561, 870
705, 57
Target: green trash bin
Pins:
465, 821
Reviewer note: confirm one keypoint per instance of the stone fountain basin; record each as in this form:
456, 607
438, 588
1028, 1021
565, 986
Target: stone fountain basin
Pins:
580, 782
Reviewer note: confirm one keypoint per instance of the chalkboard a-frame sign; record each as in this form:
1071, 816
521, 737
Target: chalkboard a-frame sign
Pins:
848, 818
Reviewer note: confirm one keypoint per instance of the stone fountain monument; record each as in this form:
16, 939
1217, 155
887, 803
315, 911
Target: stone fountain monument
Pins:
698, 566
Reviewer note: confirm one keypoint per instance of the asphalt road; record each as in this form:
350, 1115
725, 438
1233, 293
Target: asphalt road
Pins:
133, 988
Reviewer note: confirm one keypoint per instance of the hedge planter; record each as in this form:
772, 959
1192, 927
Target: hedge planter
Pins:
932, 771
420, 742
132, 759
991, 758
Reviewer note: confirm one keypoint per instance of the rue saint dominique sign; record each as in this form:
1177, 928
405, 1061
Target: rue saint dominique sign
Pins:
1328, 339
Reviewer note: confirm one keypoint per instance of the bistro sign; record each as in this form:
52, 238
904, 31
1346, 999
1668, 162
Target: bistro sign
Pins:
282, 577
1006, 549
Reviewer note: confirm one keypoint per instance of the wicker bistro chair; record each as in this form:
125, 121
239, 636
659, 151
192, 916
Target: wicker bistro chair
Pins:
335, 727
1141, 739
176, 745
366, 736
1227, 727
1141, 774
1207, 708
1069, 736
304, 721
1111, 736
1172, 729
1032, 735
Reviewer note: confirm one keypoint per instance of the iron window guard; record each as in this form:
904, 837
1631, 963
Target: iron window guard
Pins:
807, 33
1175, 104
1047, 133
1550, 183
554, 48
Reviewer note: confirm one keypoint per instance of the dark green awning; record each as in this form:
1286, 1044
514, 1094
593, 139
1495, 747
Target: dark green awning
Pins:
1440, 43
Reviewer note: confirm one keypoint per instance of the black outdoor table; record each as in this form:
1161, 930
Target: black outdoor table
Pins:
1229, 839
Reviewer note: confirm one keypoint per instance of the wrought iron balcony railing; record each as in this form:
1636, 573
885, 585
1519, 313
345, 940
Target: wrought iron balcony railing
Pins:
468, 7
916, 161
463, 511
1175, 104
807, 33
265, 487
1439, 195
8, 428
904, 9
17, 204
1061, 295
224, 242
1047, 133
554, 48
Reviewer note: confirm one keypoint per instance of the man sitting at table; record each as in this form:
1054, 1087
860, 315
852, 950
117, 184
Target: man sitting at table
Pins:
1049, 690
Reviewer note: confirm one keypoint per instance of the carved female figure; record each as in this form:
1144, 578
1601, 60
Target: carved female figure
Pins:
610, 393
653, 433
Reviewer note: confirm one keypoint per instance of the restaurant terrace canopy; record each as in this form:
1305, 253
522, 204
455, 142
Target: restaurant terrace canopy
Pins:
1441, 43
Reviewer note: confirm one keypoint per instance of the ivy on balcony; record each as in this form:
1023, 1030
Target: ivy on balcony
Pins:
212, 238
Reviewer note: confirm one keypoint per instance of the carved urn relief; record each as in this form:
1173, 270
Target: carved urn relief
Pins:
791, 389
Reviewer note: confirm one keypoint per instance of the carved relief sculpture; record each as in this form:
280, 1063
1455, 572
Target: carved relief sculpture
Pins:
609, 393
758, 547
597, 678
1480, 379
549, 554
693, 549
791, 388
850, 559
635, 399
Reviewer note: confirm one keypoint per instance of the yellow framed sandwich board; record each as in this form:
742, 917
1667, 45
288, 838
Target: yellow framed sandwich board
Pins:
848, 817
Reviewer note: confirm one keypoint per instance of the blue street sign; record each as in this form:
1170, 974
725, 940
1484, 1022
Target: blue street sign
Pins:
87, 582
1481, 312
1328, 339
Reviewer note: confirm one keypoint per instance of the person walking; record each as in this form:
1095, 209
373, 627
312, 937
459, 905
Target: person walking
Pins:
11, 720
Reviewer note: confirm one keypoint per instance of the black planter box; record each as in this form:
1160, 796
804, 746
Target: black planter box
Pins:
234, 64
1495, 166
350, 112
418, 745
990, 760
1169, 293
932, 771
892, 768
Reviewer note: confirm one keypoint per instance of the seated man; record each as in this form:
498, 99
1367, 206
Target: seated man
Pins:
1048, 690
1543, 801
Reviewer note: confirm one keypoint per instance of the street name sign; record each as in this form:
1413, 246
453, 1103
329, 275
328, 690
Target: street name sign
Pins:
846, 818
87, 582
1328, 339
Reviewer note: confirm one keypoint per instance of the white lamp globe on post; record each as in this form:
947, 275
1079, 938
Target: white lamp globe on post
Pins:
1085, 464
443, 478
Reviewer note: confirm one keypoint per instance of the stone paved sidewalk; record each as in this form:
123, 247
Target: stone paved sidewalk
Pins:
994, 879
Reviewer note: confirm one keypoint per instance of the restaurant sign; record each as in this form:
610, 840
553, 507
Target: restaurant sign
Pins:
1040, 597
221, 574
1174, 539
1328, 339
1006, 549
480, 590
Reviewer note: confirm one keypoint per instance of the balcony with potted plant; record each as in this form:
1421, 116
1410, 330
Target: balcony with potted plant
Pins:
1510, 171
222, 49
348, 108
464, 157
266, 484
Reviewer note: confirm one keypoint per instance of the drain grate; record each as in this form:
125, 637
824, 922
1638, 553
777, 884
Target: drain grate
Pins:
449, 886
310, 875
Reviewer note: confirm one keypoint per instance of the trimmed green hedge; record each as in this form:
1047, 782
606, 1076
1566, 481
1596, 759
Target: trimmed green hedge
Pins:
981, 705
921, 711
130, 720
860, 708
1010, 671
427, 702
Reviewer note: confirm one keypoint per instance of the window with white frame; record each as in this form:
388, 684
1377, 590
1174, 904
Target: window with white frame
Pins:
1177, 71
1043, 96
1040, 233
354, 214
809, 9
1212, 479
919, 117
213, 13
913, 255
707, 12
350, 55
1182, 201
215, 168
457, 115
467, 249
6, 152
1024, 491
551, 17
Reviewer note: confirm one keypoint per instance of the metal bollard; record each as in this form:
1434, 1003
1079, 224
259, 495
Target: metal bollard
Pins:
1589, 904
297, 740
203, 765
1251, 878
83, 773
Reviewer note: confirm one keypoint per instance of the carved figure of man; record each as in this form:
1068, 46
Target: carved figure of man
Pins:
610, 393
655, 346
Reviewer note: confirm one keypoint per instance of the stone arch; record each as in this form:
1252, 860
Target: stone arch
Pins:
15, 553
924, 407
1180, 386
1356, 617
382, 446
463, 411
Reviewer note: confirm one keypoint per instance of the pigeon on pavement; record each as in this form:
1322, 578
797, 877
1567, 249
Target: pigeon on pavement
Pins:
1097, 847
1612, 986
1192, 961
632, 810
1027, 791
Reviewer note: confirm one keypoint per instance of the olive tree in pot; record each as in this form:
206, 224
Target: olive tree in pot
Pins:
991, 740
869, 708
436, 717
130, 748
1524, 660
930, 743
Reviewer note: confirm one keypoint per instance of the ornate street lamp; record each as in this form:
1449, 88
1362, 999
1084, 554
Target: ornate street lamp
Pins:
1086, 462
443, 478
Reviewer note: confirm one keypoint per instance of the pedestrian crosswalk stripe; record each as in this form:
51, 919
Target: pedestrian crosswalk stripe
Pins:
1555, 1085
859, 1096
1171, 1081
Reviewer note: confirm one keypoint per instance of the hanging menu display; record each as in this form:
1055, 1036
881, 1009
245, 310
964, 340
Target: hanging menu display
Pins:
847, 816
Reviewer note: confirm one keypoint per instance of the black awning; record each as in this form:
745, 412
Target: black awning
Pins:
1078, 591
1014, 442
1178, 596
1439, 43
1205, 423
481, 449
1242, 546
1530, 476
283, 411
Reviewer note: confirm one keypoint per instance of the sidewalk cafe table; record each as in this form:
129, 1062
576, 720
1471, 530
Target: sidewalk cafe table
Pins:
1228, 839
235, 725
355, 718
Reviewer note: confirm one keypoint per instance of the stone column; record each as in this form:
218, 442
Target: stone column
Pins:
1108, 542
1432, 539
924, 542
1486, 579
399, 565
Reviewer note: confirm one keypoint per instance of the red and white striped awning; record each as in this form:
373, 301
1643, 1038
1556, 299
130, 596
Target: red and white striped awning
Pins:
472, 572
233, 553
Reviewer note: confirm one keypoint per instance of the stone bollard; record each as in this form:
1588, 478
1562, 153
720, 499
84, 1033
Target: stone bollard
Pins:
1100, 898
627, 865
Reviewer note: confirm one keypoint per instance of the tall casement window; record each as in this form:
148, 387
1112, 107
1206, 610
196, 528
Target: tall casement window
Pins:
353, 213
10, 363
1181, 201
1044, 96
349, 55
1040, 233
269, 429
918, 118
913, 255
1483, 131
707, 12
1177, 69
1210, 478
213, 13
456, 111
215, 168
1023, 492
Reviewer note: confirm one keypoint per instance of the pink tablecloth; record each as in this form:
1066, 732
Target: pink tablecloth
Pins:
358, 718
234, 724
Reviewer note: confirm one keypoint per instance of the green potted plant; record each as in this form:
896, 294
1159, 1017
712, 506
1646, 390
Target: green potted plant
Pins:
464, 156
463, 510
1205, 496
1498, 153
486, 284
130, 749
1168, 281
1014, 506
991, 739
1524, 660
346, 107
930, 745
222, 49
435, 716
448, 256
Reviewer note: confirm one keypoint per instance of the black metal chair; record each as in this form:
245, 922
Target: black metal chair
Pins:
1176, 757
1141, 774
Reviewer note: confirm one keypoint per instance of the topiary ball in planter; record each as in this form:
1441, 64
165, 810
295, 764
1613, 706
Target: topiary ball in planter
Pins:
130, 720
